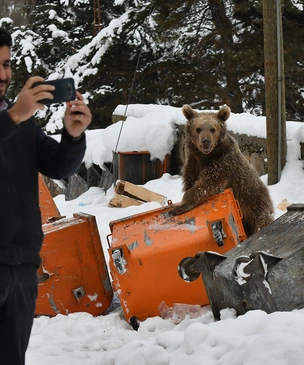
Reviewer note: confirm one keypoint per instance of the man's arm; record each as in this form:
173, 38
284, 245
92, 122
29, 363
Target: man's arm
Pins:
59, 160
28, 100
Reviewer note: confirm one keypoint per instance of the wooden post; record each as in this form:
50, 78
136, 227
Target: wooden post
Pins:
274, 90
97, 18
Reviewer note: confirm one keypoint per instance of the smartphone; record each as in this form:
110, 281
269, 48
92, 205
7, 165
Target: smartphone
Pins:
64, 90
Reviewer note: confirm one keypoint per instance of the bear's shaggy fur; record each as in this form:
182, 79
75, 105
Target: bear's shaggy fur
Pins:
214, 163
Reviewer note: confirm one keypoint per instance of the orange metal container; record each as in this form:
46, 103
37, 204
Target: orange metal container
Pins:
147, 249
73, 275
47, 205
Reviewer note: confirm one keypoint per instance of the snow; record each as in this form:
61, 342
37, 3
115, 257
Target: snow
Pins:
252, 339
156, 135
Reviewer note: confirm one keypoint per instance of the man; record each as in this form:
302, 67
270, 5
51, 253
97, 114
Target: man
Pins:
26, 150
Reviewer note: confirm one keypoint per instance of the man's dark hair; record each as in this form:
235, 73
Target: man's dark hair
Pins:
5, 38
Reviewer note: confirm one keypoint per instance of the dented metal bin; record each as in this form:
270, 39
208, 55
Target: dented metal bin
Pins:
266, 272
146, 251
47, 205
73, 275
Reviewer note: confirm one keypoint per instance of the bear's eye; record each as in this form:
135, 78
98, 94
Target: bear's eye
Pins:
198, 130
212, 130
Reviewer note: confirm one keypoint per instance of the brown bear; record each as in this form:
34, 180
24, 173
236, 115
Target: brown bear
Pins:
214, 163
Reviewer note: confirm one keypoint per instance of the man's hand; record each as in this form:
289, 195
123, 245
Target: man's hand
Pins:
77, 116
28, 99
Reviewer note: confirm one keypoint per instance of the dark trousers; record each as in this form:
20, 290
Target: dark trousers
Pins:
18, 294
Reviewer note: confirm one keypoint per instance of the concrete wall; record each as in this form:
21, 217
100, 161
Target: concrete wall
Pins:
253, 148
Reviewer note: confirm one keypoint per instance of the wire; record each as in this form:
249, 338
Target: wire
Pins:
132, 86
107, 174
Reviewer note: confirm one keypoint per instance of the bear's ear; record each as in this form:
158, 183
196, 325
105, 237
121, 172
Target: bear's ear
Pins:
224, 113
188, 112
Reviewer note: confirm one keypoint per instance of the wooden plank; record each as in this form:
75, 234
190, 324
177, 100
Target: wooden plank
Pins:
122, 201
139, 192
283, 205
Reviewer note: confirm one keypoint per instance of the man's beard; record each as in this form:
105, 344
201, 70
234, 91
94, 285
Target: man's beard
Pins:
3, 92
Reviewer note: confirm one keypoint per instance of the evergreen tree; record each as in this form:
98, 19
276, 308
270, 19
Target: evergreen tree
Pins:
293, 46
54, 32
201, 52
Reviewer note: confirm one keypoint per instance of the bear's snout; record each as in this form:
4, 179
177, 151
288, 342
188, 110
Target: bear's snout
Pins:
206, 145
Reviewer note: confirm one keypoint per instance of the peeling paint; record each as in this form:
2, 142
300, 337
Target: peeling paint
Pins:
133, 245
187, 225
113, 241
125, 304
45, 271
52, 303
147, 239
93, 298
233, 227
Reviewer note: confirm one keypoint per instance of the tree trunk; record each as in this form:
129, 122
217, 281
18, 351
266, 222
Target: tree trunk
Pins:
275, 108
223, 26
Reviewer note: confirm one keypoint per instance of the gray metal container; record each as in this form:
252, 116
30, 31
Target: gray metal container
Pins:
264, 272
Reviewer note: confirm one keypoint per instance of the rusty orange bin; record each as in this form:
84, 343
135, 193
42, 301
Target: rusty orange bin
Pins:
73, 275
47, 205
147, 249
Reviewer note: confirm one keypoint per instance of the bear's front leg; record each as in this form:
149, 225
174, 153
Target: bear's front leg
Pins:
192, 198
202, 190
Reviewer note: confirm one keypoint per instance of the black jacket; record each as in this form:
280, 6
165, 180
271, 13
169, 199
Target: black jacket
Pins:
26, 150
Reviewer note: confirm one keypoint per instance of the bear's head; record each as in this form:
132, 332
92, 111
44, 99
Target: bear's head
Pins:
206, 129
